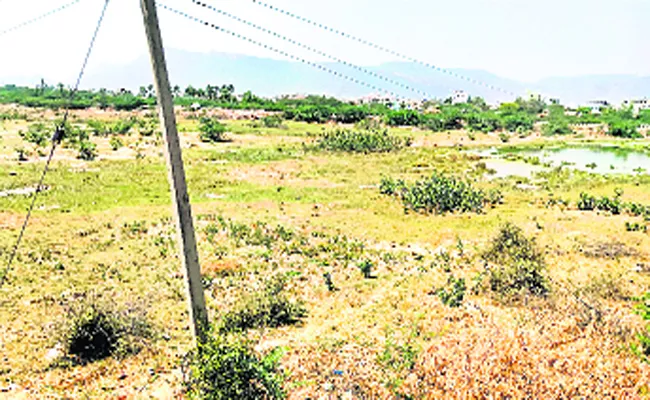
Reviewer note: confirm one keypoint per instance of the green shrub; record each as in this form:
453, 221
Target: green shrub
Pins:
439, 194
454, 295
635, 227
272, 121
366, 266
504, 137
37, 133
643, 309
269, 308
613, 205
519, 263
212, 131
624, 129
87, 150
116, 143
227, 368
361, 141
95, 328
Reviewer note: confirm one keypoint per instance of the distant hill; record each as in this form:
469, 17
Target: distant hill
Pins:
270, 77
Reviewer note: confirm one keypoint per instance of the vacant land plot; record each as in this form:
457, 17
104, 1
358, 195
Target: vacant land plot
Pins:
511, 290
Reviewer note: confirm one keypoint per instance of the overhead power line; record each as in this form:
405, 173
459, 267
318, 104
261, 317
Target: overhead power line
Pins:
40, 17
282, 52
56, 139
384, 49
316, 51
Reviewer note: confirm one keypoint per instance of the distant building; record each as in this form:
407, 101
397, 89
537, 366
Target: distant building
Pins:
637, 105
377, 99
459, 97
597, 106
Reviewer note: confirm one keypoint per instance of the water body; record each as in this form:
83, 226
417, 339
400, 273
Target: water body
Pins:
601, 160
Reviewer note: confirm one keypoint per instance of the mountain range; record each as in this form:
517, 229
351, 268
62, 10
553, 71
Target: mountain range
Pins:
272, 77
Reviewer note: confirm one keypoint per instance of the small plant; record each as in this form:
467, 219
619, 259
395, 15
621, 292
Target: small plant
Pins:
329, 283
635, 227
361, 141
368, 124
643, 309
592, 165
212, 131
87, 150
366, 266
268, 308
22, 154
37, 134
226, 367
116, 143
95, 328
519, 263
455, 293
504, 137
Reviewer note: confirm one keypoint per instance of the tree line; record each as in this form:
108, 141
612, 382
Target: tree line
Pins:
518, 117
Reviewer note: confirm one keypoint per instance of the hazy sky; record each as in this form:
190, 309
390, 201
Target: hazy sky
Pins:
518, 39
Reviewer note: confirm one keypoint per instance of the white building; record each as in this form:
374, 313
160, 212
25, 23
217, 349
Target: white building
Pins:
637, 105
459, 97
597, 106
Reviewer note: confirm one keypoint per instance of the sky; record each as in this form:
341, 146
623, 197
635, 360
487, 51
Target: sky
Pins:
519, 39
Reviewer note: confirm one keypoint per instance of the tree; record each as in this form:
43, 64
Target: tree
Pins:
226, 93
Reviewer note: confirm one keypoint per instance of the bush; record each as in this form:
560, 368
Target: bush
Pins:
226, 367
116, 143
438, 194
94, 329
361, 142
269, 308
212, 131
520, 264
624, 129
272, 121
37, 133
366, 266
454, 295
87, 150
403, 118
613, 205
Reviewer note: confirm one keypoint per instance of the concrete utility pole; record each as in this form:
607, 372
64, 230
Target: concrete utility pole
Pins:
180, 199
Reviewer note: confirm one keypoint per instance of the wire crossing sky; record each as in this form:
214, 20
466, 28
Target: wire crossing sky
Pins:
518, 39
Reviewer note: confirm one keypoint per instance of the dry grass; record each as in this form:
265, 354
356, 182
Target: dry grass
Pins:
372, 338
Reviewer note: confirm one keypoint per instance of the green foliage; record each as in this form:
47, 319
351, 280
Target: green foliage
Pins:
226, 367
519, 263
624, 129
116, 143
87, 150
37, 133
504, 137
613, 205
557, 123
96, 328
635, 227
454, 294
439, 194
269, 308
212, 131
361, 141
643, 309
403, 118
366, 266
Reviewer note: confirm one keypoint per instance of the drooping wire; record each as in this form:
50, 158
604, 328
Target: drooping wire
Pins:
56, 139
40, 17
281, 52
384, 49
316, 51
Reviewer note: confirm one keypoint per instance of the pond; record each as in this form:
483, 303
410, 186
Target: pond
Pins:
600, 159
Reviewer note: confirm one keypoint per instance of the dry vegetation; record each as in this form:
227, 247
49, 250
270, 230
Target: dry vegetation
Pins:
360, 312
